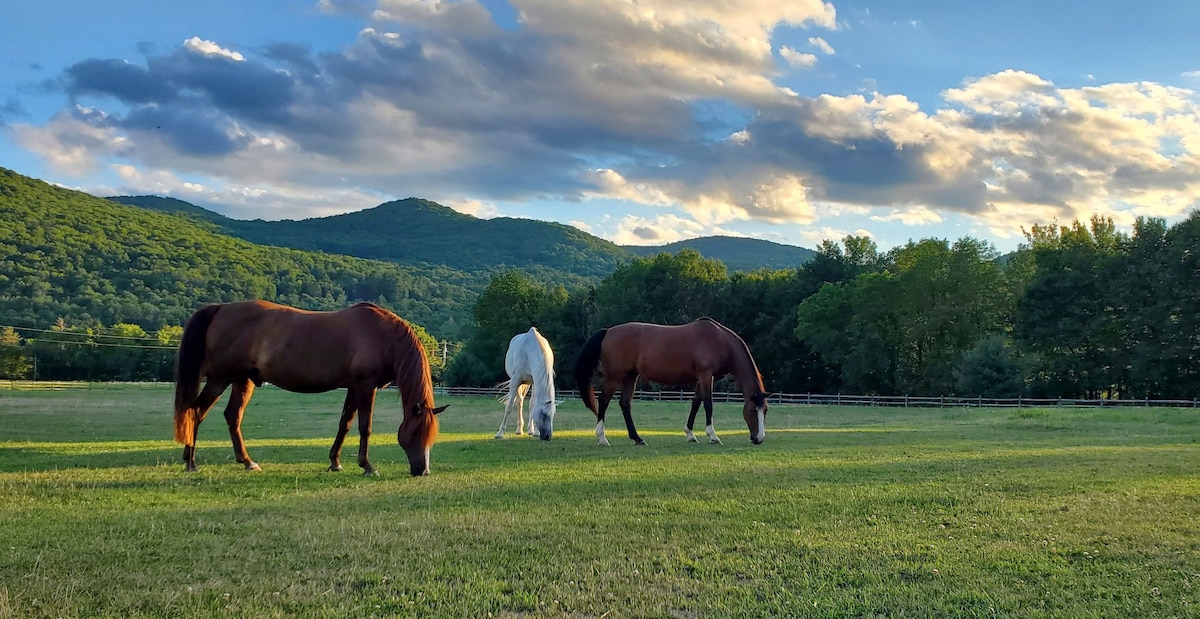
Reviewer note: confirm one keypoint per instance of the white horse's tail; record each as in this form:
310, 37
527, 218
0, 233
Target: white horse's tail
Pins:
502, 390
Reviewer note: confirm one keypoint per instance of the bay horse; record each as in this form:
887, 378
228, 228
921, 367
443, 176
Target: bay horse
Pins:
696, 353
529, 362
361, 348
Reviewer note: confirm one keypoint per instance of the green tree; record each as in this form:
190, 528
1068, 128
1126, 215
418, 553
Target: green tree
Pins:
14, 363
1067, 317
663, 289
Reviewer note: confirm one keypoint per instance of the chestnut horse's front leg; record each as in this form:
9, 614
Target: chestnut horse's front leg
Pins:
366, 410
335, 452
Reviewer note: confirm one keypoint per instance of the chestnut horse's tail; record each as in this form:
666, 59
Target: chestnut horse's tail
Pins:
585, 366
188, 364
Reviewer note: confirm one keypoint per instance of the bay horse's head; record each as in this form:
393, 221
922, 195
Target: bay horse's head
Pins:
755, 413
418, 430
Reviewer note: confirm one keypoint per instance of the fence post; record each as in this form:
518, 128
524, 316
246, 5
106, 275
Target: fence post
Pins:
839, 398
1018, 401
906, 400
941, 401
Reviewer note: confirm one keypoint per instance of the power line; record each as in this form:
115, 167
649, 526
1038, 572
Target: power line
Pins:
137, 346
81, 334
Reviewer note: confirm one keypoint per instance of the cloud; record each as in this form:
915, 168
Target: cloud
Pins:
797, 59
208, 48
476, 208
914, 216
586, 101
663, 229
822, 45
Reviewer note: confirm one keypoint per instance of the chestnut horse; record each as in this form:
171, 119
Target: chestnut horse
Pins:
696, 353
361, 348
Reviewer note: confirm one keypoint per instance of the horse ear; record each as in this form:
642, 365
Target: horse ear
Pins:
440, 409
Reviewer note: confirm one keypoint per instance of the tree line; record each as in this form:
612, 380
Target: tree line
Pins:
1081, 310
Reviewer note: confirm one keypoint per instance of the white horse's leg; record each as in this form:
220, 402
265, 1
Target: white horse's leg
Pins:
508, 403
521, 389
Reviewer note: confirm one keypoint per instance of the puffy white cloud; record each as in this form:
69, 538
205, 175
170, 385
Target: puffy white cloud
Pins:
663, 229
797, 59
208, 48
607, 99
913, 216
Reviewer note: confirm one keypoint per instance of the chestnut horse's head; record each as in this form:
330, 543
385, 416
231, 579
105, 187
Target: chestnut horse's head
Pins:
417, 432
755, 413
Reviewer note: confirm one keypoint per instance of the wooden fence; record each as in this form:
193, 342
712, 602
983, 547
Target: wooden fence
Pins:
863, 400
821, 399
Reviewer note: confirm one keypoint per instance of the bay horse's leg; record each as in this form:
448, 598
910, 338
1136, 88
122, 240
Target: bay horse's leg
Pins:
691, 422
335, 452
366, 410
628, 386
606, 394
242, 390
704, 390
203, 402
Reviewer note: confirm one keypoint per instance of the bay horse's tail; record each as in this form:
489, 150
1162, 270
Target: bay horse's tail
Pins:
188, 364
585, 366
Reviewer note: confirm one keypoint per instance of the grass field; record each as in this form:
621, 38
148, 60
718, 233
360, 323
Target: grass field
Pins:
860, 512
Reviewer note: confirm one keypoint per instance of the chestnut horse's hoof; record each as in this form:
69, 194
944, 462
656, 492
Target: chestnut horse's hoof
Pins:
253, 466
190, 469
334, 468
369, 473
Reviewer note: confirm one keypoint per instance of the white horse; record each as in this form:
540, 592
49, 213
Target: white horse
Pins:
530, 362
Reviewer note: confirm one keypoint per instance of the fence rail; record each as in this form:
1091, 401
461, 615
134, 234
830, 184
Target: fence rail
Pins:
65, 385
841, 399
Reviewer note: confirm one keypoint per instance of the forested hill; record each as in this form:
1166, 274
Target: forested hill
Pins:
416, 231
738, 254
66, 254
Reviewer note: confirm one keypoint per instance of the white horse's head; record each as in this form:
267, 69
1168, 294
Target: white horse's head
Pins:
542, 416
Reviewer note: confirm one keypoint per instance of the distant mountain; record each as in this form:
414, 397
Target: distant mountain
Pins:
738, 254
421, 232
416, 231
66, 254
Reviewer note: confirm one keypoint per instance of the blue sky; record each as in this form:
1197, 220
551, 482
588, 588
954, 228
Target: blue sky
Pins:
642, 122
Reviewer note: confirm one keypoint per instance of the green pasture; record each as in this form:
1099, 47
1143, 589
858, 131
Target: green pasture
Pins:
863, 512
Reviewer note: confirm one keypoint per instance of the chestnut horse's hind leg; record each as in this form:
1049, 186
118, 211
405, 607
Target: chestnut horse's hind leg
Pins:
238, 398
628, 386
203, 402
335, 452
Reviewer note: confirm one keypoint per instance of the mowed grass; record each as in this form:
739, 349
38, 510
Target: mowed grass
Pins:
842, 512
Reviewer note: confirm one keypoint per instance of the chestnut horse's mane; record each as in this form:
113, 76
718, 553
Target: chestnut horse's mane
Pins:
409, 353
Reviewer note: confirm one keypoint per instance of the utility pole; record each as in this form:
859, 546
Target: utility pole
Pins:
445, 346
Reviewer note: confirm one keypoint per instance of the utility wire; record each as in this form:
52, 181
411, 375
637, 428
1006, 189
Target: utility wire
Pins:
82, 334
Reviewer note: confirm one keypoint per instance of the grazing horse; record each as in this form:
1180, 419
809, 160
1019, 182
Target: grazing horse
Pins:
530, 362
696, 353
361, 348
